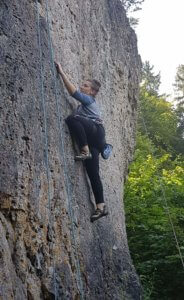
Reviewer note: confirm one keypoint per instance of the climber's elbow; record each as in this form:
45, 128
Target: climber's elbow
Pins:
72, 90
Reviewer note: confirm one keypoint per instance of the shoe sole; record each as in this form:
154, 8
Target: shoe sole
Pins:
105, 214
82, 158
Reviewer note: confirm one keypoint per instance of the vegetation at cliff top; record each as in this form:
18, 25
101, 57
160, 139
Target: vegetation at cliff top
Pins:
132, 5
156, 184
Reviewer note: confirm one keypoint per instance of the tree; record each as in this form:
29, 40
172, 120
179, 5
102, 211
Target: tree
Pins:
159, 118
179, 90
179, 84
164, 121
150, 81
156, 167
149, 231
132, 5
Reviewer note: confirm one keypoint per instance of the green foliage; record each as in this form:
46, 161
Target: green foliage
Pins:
149, 232
179, 142
160, 120
156, 184
163, 121
150, 81
179, 89
179, 84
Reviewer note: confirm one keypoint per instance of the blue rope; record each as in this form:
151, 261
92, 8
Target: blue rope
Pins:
44, 110
63, 157
45, 130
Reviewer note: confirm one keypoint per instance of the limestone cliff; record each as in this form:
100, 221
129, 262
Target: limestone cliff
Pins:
48, 247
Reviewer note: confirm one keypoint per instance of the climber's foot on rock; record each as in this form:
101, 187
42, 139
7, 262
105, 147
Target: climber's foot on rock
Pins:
83, 155
99, 213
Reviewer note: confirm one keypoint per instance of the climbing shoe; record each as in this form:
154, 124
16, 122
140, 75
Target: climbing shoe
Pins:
99, 214
83, 156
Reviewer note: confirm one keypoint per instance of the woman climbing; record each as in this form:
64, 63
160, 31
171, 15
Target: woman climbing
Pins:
85, 125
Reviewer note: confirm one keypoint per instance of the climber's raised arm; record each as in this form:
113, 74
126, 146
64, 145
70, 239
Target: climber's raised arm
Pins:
69, 86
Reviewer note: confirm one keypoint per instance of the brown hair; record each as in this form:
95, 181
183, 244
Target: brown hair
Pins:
95, 85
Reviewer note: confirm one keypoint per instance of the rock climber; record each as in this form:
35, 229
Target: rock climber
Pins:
85, 125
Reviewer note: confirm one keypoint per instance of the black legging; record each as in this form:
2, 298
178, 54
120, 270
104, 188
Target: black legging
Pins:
86, 132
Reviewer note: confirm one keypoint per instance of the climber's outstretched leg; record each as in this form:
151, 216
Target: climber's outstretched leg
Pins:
92, 168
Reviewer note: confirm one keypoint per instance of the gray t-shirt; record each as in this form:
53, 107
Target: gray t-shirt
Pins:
88, 107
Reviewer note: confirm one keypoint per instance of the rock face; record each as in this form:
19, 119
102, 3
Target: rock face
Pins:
48, 247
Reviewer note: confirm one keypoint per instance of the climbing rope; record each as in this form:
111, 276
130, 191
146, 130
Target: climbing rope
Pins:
46, 137
69, 192
165, 200
44, 108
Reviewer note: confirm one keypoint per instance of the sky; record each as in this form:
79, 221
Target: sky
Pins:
161, 38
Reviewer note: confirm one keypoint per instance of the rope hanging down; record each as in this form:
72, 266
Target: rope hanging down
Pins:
165, 200
63, 156
46, 137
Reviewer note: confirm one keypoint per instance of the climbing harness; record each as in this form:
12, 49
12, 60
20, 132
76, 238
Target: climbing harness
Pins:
68, 191
165, 201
